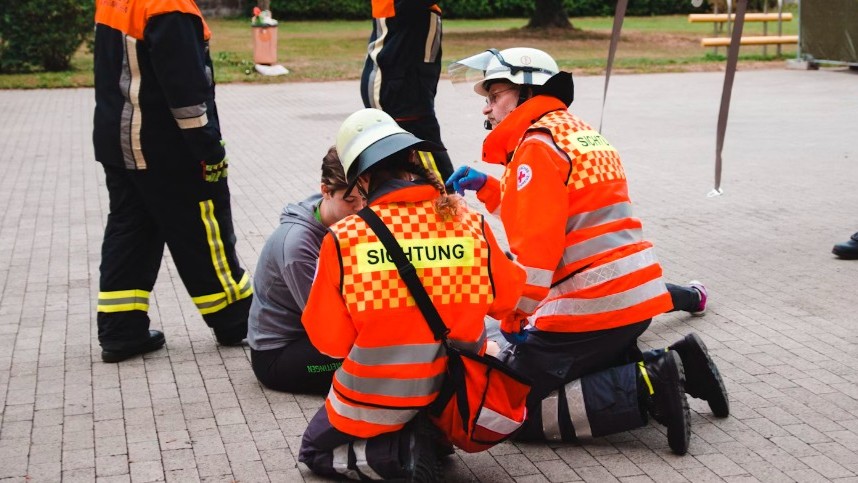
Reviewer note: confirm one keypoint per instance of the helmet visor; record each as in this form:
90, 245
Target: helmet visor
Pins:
470, 70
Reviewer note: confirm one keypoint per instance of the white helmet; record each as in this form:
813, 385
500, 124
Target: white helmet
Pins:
519, 65
369, 136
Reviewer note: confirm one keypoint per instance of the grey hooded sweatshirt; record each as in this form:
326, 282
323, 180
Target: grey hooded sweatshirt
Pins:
283, 276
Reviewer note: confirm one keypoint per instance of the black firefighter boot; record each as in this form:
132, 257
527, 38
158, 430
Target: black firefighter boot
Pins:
703, 380
663, 380
420, 448
847, 250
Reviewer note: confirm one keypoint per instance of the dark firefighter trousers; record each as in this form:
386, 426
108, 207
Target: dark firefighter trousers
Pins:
332, 453
584, 384
149, 209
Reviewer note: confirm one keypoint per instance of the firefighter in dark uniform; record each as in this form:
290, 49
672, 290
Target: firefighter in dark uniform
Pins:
156, 132
400, 75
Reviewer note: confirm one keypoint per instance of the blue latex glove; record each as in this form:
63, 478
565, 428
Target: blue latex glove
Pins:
517, 337
466, 178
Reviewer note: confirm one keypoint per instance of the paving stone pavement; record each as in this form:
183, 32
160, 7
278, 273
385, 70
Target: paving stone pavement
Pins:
781, 323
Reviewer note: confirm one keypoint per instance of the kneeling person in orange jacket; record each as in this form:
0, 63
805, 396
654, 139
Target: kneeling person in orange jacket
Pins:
359, 308
593, 283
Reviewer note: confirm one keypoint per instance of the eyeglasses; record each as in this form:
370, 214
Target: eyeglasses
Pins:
492, 97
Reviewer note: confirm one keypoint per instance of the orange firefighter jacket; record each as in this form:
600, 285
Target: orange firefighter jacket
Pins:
359, 308
564, 203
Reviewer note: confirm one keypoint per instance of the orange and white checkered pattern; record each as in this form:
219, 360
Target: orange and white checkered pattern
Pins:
384, 289
589, 167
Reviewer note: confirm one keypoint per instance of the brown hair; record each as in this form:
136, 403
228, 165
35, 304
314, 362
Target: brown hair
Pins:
447, 206
332, 171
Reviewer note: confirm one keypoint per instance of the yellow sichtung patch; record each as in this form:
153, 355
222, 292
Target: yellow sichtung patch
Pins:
426, 253
587, 141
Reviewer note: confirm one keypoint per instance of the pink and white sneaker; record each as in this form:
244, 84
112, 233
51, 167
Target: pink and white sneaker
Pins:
701, 290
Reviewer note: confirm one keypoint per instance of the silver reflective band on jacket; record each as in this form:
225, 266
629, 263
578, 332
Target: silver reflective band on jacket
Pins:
604, 273
392, 387
607, 214
371, 415
600, 244
609, 303
539, 277
400, 354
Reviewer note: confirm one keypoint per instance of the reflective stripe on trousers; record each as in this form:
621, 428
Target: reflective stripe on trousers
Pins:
123, 301
577, 413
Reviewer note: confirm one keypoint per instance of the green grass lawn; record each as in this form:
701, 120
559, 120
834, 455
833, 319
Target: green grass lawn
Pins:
335, 50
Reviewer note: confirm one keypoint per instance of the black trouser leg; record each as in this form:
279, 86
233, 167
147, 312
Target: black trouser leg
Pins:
599, 404
684, 299
333, 454
196, 221
130, 258
297, 367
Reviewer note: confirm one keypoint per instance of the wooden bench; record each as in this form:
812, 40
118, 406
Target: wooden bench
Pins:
749, 17
751, 40
718, 19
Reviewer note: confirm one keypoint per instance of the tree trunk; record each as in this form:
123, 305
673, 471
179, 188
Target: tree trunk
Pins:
549, 14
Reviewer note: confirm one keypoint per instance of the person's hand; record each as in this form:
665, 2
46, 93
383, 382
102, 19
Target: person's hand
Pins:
515, 337
213, 173
466, 178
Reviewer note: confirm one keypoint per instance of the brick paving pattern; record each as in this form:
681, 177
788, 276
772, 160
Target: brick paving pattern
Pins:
781, 322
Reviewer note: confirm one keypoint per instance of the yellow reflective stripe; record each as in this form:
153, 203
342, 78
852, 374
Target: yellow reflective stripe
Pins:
245, 288
123, 301
208, 304
646, 378
428, 160
216, 247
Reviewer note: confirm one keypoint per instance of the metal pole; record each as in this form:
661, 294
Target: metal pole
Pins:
765, 27
780, 22
729, 75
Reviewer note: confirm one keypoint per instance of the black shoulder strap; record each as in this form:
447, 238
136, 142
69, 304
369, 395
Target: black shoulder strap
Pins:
407, 272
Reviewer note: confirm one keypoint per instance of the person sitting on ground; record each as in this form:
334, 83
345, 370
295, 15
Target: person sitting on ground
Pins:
281, 354
374, 424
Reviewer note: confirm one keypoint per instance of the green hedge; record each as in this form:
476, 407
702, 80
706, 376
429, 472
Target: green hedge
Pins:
42, 33
361, 9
